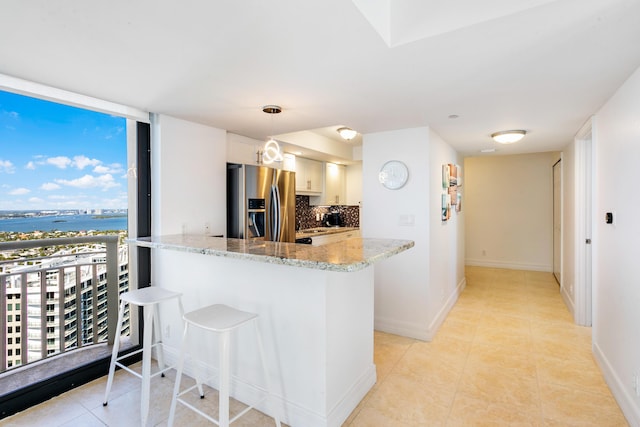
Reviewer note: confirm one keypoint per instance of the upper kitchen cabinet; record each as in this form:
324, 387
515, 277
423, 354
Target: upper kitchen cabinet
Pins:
309, 177
335, 188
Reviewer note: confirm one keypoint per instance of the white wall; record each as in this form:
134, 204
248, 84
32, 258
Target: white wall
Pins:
446, 239
410, 292
509, 215
616, 289
188, 177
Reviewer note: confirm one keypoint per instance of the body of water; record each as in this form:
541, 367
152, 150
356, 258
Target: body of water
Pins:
64, 223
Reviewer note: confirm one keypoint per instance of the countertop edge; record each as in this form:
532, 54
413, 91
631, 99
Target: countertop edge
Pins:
397, 246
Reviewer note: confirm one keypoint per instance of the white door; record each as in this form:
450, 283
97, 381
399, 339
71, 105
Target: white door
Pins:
584, 219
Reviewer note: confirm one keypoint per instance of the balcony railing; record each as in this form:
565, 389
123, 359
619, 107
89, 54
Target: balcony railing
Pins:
53, 304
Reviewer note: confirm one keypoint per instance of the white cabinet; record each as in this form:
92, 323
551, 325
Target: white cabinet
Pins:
354, 184
335, 187
309, 176
334, 237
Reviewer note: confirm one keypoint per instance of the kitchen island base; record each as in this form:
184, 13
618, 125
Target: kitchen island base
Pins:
317, 327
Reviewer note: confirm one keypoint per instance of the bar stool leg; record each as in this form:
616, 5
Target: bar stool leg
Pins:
114, 353
146, 362
274, 408
157, 337
176, 387
225, 375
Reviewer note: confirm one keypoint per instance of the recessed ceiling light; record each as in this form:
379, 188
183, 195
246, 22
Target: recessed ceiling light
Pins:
508, 136
453, 116
488, 150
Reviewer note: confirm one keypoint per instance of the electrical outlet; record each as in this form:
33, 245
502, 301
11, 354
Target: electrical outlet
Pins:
167, 331
636, 383
207, 228
484, 252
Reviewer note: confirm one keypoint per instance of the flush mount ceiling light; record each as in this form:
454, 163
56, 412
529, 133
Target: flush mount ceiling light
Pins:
347, 133
508, 136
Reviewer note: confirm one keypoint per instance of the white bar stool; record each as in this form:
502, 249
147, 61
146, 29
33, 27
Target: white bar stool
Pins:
148, 298
223, 320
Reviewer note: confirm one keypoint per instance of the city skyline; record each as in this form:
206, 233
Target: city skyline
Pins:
57, 157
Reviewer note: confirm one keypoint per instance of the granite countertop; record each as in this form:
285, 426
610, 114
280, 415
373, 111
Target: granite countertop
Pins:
349, 255
322, 231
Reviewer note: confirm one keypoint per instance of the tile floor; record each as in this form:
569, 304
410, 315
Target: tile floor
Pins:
507, 354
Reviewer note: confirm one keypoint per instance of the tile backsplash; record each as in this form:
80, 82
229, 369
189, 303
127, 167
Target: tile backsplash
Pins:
306, 214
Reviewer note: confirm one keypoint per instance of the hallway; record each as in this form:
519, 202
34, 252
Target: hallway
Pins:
507, 354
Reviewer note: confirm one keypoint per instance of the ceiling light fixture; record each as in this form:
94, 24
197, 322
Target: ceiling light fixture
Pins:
508, 136
347, 133
271, 151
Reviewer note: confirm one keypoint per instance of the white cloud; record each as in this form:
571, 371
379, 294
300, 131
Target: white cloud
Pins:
60, 161
83, 161
103, 182
6, 166
30, 166
19, 191
48, 186
36, 200
114, 168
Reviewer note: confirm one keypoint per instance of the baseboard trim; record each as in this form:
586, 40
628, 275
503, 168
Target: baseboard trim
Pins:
446, 308
508, 265
621, 393
568, 302
416, 330
290, 412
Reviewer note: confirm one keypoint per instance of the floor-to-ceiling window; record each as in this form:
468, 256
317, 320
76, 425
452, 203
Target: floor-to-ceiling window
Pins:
66, 173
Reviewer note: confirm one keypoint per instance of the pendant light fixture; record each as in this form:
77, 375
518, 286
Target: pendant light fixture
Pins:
271, 151
508, 136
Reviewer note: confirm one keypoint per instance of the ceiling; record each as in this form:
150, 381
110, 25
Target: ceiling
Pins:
373, 65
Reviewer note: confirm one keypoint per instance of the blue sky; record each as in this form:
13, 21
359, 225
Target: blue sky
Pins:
53, 156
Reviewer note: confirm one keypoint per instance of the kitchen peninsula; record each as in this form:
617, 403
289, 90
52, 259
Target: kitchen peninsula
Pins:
316, 314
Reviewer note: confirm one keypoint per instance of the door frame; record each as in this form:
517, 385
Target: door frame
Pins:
558, 197
584, 144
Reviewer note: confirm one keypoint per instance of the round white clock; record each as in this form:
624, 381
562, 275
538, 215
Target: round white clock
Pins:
393, 174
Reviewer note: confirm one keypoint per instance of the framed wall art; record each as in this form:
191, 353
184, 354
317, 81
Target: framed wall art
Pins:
451, 190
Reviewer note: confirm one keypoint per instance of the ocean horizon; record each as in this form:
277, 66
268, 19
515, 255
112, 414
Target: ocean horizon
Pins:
77, 222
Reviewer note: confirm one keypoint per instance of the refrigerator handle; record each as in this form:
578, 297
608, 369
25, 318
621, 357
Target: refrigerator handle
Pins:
275, 214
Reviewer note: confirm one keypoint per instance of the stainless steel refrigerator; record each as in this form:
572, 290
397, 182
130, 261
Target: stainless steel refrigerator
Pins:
261, 203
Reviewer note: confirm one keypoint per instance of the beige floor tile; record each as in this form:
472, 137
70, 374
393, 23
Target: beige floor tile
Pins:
571, 372
56, 411
371, 417
408, 401
460, 329
387, 356
503, 359
87, 419
569, 406
431, 369
470, 411
508, 353
501, 387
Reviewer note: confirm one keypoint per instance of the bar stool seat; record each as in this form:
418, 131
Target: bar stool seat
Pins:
222, 320
149, 299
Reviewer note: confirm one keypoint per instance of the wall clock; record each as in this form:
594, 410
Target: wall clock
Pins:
393, 174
